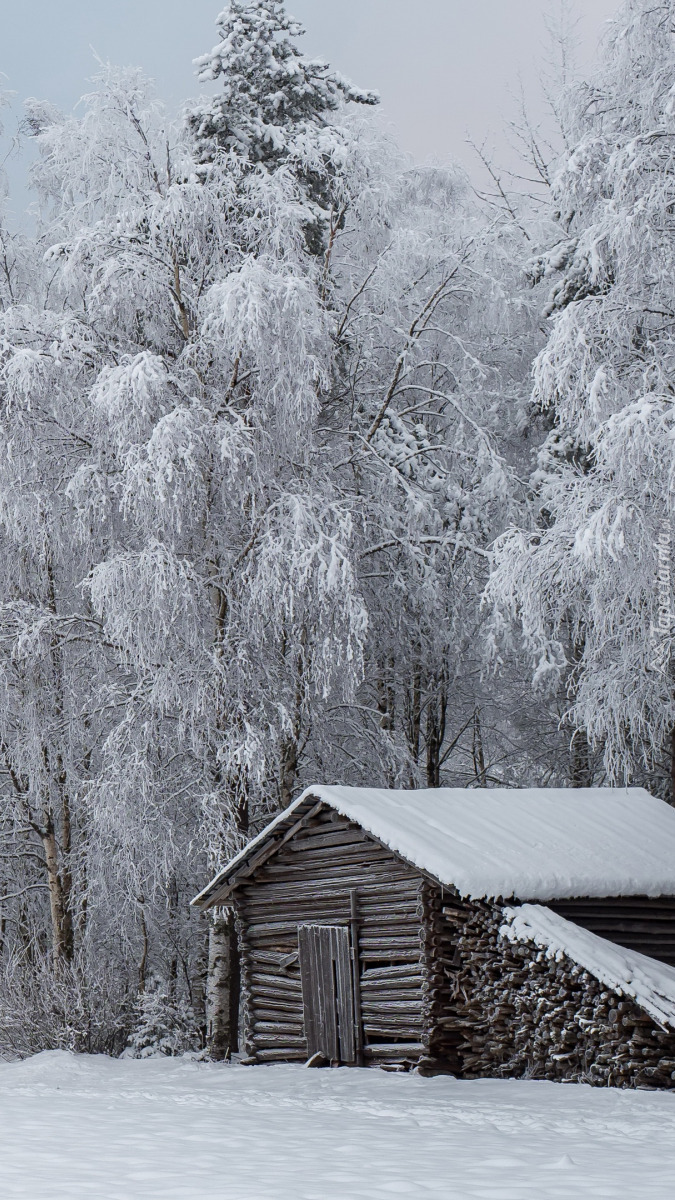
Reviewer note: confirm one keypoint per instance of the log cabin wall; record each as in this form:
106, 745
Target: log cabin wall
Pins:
636, 922
308, 881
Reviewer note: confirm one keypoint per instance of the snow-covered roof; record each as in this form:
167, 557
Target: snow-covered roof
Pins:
530, 843
650, 983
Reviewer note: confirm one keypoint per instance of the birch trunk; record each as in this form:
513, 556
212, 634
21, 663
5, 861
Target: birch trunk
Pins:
222, 989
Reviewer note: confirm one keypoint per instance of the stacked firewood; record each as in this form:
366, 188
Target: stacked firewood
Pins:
520, 1013
440, 1042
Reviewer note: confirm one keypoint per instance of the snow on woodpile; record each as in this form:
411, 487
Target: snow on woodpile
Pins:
533, 843
649, 983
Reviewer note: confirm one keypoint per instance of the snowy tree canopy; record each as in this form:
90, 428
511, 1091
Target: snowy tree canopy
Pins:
276, 107
296, 437
586, 583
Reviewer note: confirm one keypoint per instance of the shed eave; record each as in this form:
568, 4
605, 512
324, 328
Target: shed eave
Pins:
222, 886
210, 895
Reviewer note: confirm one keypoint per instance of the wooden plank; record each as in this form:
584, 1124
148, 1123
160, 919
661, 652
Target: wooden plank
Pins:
324, 841
345, 994
277, 933
374, 1033
375, 973
377, 1022
282, 983
283, 1012
328, 993
407, 925
290, 1001
274, 958
311, 1031
387, 983
398, 956
408, 996
281, 1054
373, 1007
277, 1026
354, 928
393, 943
393, 1049
260, 856
285, 1041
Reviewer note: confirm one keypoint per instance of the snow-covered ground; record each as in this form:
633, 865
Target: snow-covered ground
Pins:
95, 1128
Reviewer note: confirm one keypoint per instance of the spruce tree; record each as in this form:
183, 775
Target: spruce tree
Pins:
277, 108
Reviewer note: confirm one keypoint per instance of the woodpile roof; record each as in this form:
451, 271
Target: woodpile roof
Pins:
651, 984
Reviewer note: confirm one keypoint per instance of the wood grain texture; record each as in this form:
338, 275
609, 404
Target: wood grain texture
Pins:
636, 922
309, 882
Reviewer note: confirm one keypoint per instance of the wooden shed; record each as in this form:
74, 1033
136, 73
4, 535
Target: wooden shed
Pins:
476, 932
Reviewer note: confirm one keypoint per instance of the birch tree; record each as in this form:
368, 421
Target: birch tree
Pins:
263, 395
226, 586
590, 582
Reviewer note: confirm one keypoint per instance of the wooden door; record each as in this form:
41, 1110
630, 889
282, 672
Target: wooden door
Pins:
327, 995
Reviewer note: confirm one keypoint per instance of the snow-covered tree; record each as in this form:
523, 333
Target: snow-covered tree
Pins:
262, 389
431, 330
51, 661
590, 581
114, 884
225, 584
276, 105
162, 1024
277, 108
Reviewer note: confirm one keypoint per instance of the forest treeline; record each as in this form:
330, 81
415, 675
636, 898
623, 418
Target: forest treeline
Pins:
314, 465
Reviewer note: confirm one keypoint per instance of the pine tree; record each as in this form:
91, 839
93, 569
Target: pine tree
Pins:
277, 107
275, 103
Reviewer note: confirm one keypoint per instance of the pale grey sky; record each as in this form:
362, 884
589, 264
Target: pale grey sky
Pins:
443, 67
